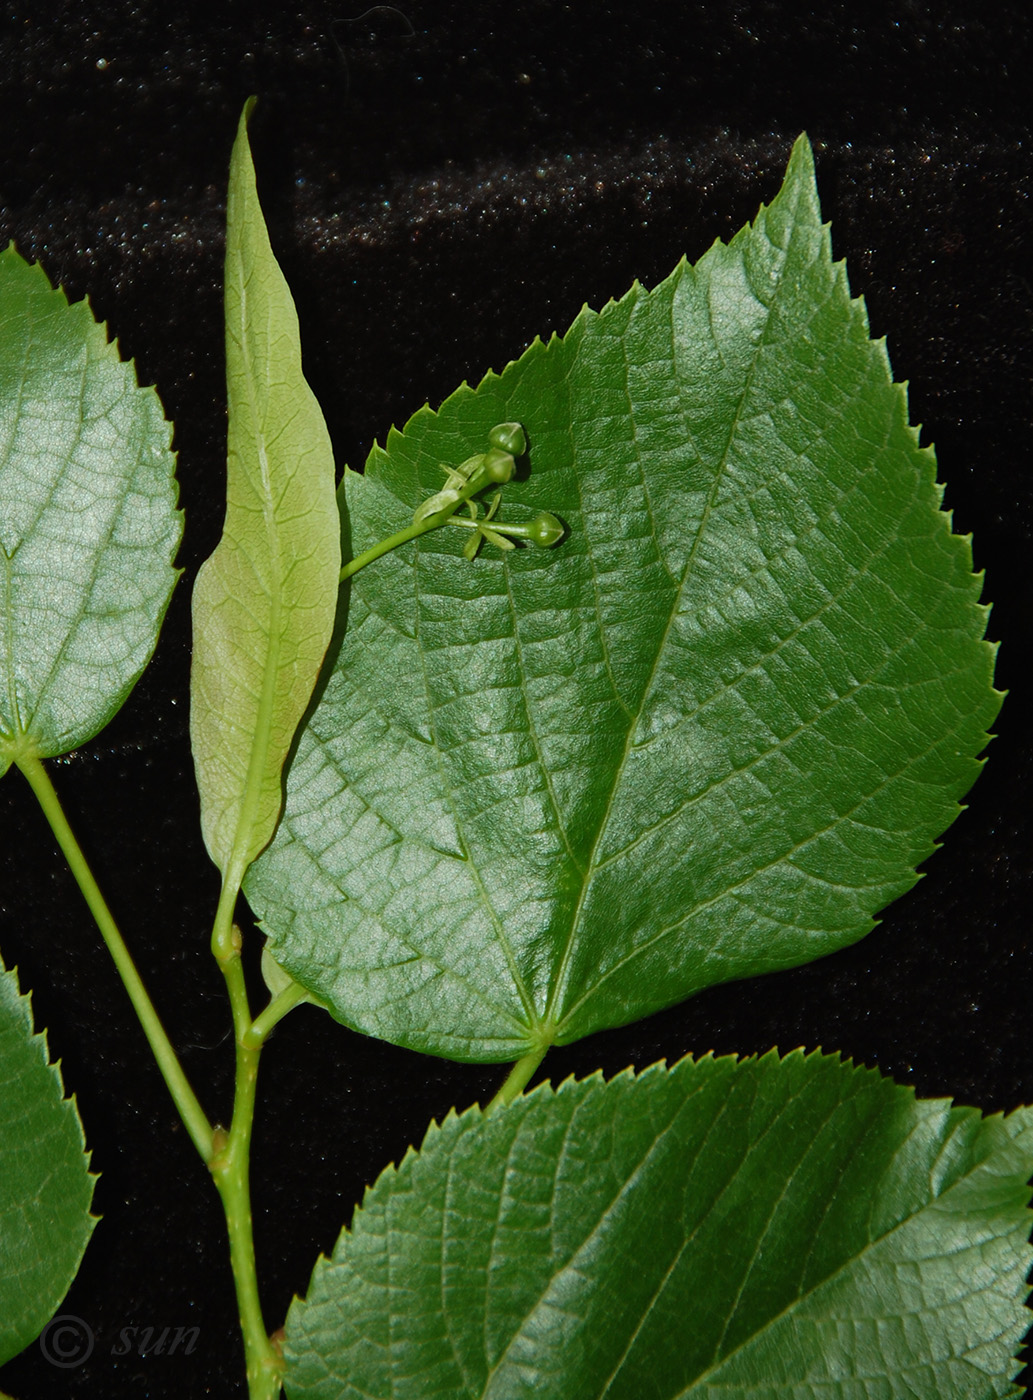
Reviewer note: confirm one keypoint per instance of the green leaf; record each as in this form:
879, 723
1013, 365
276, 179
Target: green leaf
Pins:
45, 1184
264, 603
88, 519
709, 736
773, 1229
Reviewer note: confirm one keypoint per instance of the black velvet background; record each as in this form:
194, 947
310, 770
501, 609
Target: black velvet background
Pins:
443, 183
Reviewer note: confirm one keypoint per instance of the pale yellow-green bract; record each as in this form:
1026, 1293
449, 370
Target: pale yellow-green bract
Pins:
264, 602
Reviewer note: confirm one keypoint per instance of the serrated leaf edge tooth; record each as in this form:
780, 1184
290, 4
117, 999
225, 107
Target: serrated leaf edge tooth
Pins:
111, 346
945, 1104
38, 1037
802, 154
111, 349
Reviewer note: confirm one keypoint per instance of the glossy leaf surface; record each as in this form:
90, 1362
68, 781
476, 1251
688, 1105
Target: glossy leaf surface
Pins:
88, 519
789, 1229
45, 1184
709, 736
264, 602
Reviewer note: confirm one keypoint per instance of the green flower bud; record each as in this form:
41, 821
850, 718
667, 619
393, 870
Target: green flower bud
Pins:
497, 466
545, 530
508, 437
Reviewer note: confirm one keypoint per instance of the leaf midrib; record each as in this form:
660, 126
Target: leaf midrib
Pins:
847, 1265
7, 611
93, 354
762, 342
261, 741
840, 698
629, 1182
15, 417
625, 1186
932, 1200
526, 999
755, 1145
865, 797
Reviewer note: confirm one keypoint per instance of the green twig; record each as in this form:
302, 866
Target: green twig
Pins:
230, 1164
183, 1096
227, 1154
231, 1174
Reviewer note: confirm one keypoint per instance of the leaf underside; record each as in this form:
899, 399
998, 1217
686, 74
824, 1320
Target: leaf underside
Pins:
264, 603
88, 519
709, 736
792, 1229
45, 1185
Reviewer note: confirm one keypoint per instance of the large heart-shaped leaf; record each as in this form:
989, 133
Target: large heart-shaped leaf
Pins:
709, 736
88, 519
45, 1183
770, 1229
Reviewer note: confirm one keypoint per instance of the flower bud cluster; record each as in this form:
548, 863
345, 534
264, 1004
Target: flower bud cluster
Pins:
487, 470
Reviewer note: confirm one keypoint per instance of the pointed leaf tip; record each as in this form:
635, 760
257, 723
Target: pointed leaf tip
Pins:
801, 158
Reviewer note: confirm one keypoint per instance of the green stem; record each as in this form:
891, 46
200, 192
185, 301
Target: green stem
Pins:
519, 532
227, 1154
277, 1009
479, 480
230, 1168
517, 1079
225, 934
411, 532
231, 1174
183, 1096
